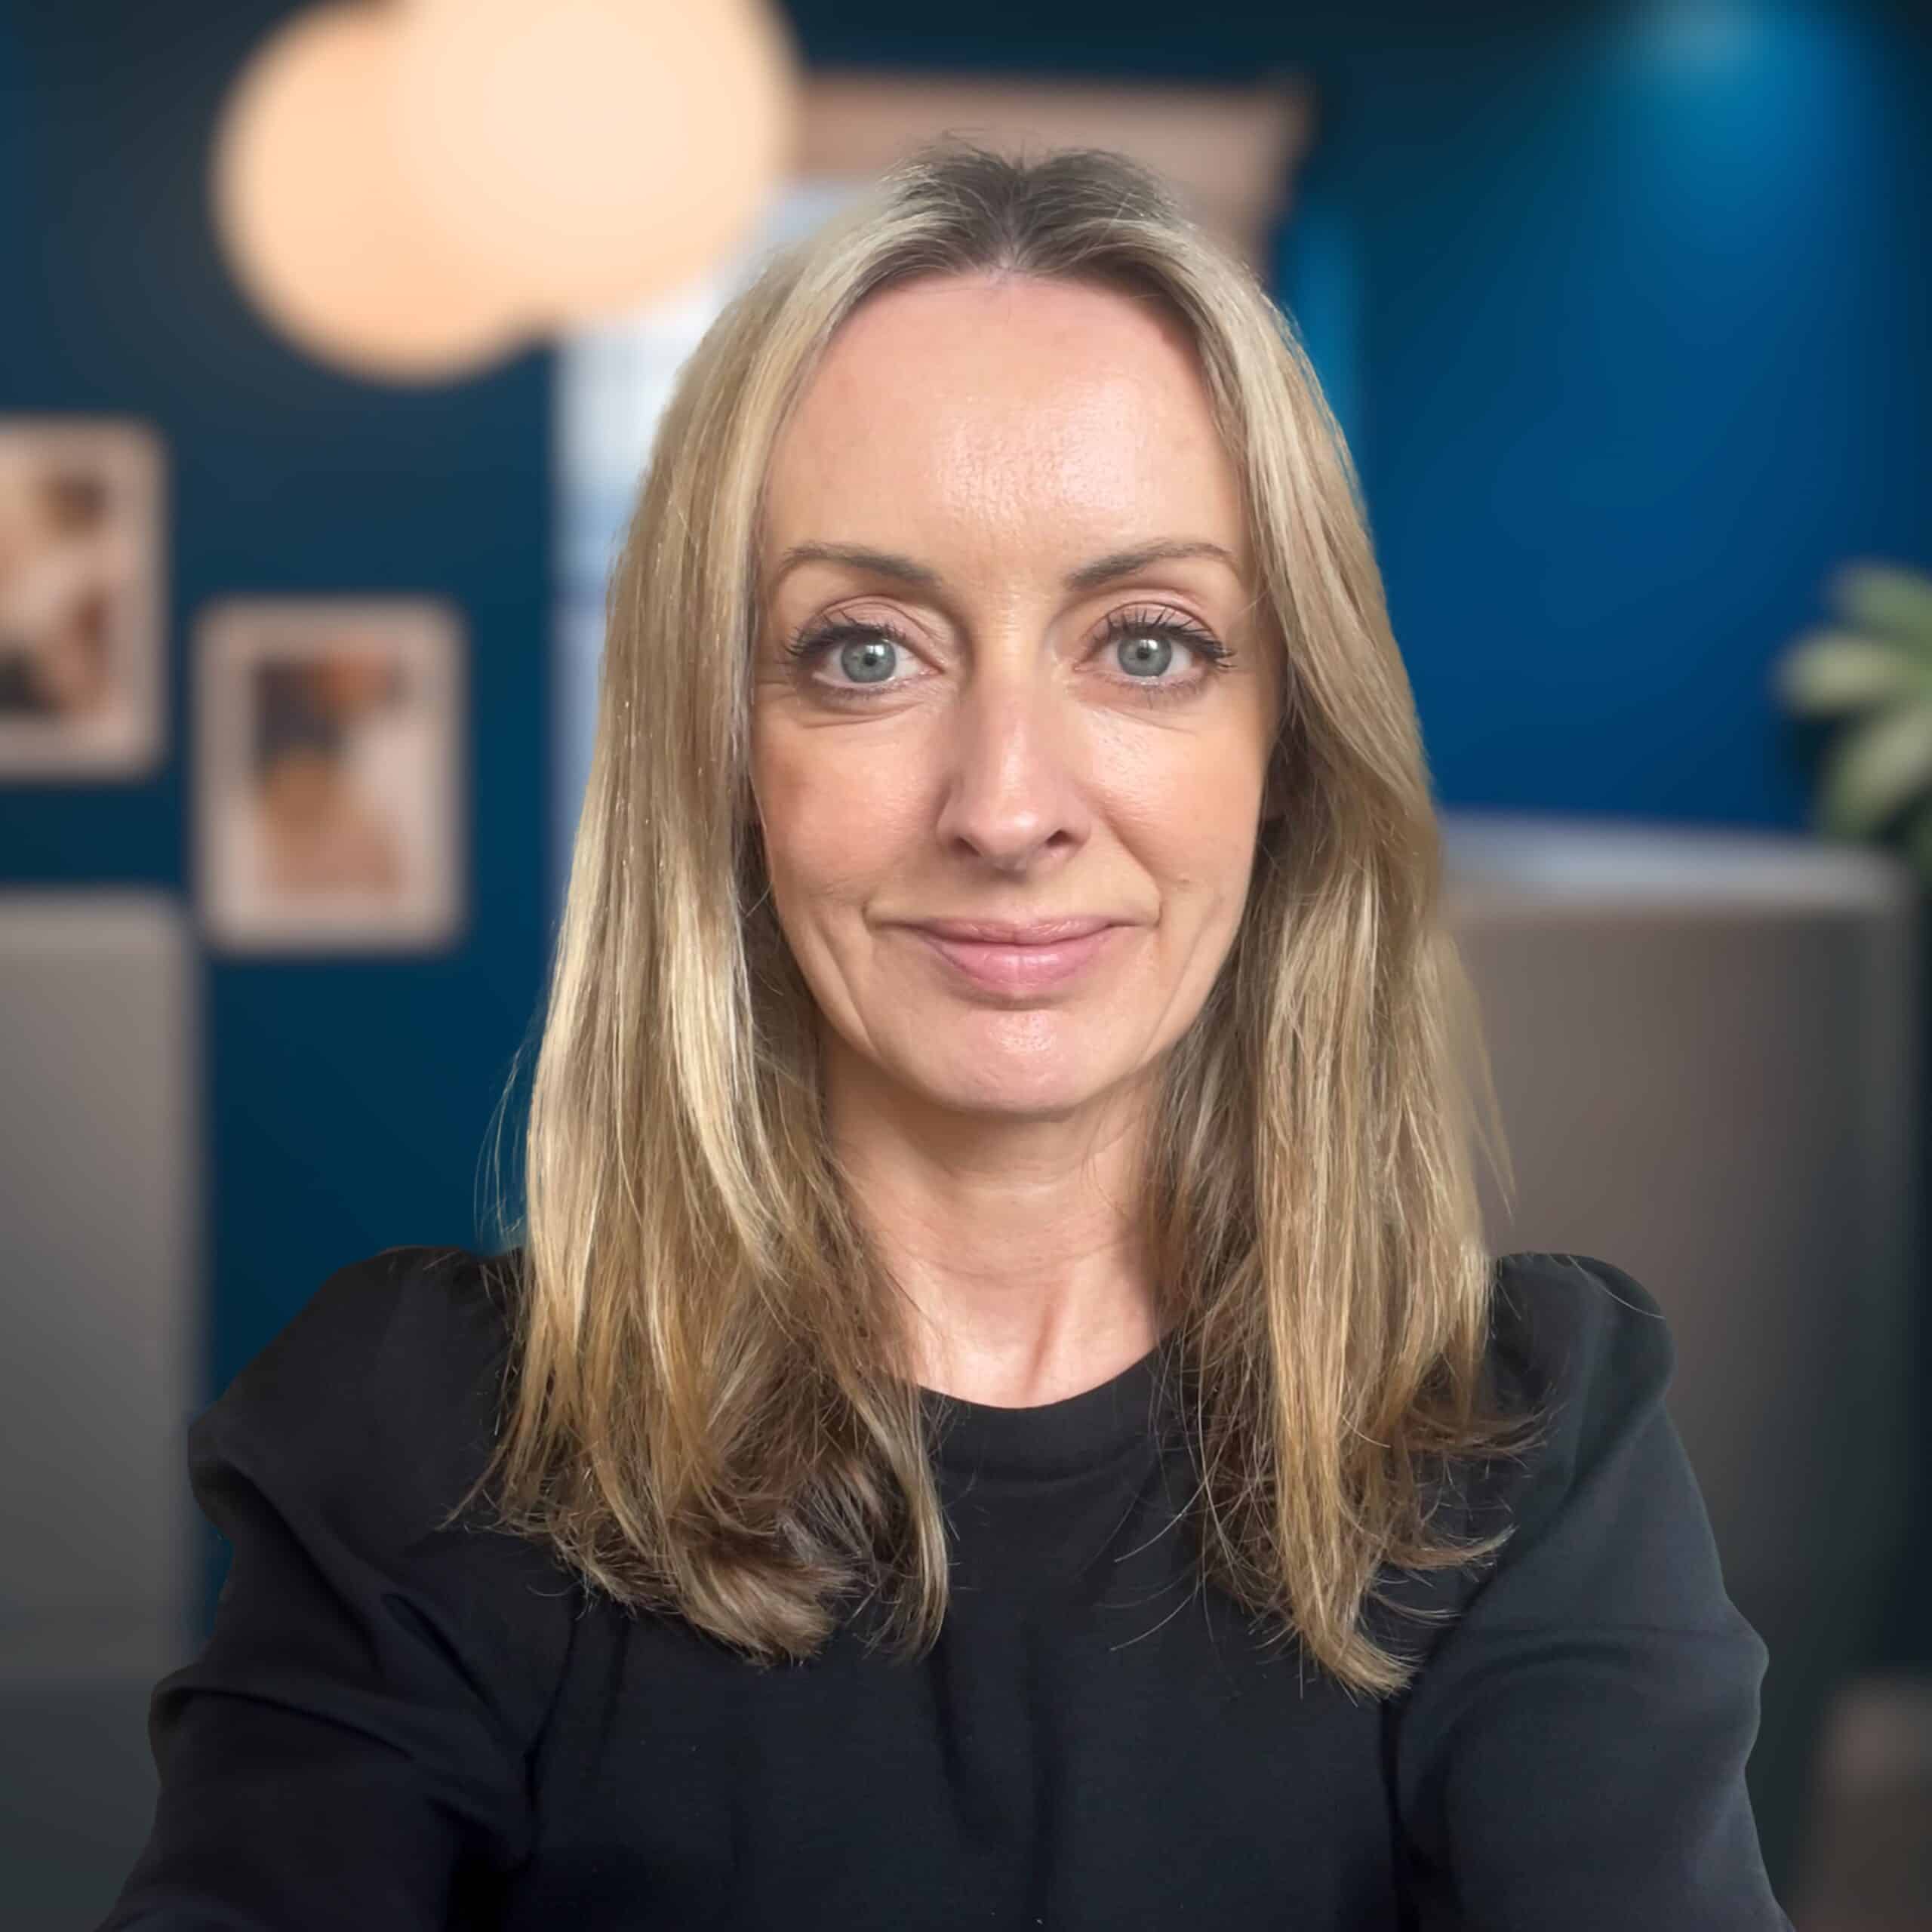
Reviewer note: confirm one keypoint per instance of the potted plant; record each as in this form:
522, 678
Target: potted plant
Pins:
1872, 667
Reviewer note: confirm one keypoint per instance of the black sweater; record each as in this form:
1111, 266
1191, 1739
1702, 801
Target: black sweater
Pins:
394, 1727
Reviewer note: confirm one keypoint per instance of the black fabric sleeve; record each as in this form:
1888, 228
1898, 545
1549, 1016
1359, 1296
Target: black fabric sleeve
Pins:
1572, 1752
349, 1748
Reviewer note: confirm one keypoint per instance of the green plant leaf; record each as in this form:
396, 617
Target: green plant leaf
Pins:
1833, 671
1874, 768
1886, 600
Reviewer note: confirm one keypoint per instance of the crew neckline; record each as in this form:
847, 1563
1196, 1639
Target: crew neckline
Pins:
1048, 1438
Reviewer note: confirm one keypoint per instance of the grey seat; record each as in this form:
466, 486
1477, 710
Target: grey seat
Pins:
101, 1068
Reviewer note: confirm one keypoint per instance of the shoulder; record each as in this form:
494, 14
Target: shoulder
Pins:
1584, 1341
1573, 1321
1595, 1697
358, 1591
1581, 1349
399, 1310
1605, 1511
388, 1380
1602, 1520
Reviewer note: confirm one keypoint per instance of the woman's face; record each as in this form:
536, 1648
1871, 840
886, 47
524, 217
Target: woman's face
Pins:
1002, 734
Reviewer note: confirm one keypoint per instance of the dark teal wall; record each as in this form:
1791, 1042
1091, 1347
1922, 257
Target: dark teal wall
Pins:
346, 1098
1645, 354
1628, 311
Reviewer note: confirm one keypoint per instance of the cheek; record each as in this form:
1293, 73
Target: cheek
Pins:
833, 818
1195, 814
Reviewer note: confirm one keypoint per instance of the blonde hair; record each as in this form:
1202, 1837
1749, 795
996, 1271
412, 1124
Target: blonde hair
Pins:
712, 1409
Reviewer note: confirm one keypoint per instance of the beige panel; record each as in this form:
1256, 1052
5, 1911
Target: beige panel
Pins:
1707, 1047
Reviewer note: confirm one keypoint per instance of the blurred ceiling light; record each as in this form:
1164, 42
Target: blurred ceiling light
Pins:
596, 154
412, 190
316, 226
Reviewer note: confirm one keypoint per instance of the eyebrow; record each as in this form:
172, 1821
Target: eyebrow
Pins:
1087, 577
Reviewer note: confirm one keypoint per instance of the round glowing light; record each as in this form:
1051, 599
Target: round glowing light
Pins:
594, 154
311, 210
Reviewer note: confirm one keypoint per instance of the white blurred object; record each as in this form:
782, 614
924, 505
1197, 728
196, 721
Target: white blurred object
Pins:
613, 380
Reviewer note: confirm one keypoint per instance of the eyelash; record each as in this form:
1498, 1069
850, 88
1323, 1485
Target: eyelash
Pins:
817, 641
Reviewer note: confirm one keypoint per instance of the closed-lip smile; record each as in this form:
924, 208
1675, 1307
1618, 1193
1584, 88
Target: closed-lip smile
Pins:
1019, 959
1009, 932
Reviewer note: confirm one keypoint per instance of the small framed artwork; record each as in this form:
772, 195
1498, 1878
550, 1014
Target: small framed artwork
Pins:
82, 598
331, 765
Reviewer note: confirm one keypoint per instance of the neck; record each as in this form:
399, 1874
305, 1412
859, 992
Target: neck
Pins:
1017, 1241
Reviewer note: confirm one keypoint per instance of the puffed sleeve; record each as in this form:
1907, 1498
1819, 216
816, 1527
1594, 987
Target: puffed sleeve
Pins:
350, 1748
1572, 1753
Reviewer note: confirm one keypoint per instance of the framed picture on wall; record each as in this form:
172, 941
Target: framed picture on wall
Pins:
331, 766
82, 598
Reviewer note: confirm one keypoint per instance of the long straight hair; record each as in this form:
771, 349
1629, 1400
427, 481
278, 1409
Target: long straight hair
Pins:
710, 1407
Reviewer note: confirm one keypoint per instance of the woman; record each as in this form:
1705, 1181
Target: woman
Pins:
1001, 1413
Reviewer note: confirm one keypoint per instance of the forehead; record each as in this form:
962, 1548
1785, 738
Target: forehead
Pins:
1015, 415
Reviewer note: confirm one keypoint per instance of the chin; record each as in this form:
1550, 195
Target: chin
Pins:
1016, 1082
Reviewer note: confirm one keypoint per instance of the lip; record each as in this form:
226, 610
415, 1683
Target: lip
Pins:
1012, 932
1000, 966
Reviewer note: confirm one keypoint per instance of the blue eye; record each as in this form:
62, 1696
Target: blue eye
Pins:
860, 648
1169, 628
865, 644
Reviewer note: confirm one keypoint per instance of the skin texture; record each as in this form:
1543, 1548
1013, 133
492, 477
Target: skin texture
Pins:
1005, 762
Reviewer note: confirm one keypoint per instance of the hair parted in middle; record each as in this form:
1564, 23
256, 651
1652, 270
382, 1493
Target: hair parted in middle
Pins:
711, 1409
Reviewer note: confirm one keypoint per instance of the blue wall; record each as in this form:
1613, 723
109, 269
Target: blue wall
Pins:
347, 1098
1627, 309
1646, 321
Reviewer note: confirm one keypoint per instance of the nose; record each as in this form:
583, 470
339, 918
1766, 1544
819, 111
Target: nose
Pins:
1013, 777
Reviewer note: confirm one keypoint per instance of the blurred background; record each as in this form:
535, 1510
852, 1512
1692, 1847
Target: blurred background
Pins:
330, 356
